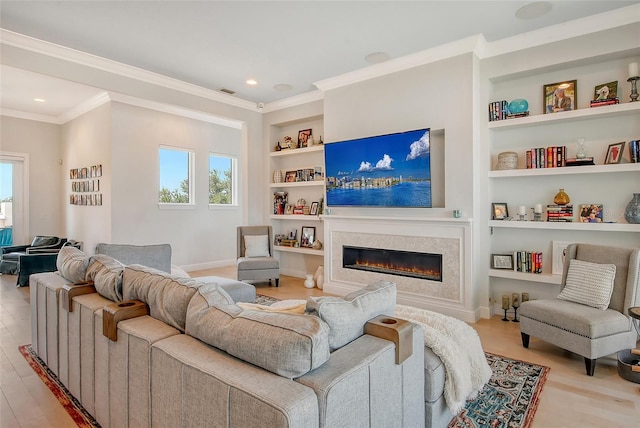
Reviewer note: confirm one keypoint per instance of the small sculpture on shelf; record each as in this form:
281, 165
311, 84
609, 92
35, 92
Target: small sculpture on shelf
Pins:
515, 297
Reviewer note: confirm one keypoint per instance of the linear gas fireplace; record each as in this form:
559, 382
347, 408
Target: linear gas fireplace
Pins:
394, 262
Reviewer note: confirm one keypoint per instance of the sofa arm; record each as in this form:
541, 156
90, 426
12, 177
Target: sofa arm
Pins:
396, 330
69, 291
14, 249
34, 263
114, 313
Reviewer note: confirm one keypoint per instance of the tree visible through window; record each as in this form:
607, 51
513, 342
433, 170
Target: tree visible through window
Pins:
221, 180
176, 167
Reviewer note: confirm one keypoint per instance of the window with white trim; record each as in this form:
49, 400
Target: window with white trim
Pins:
176, 176
222, 179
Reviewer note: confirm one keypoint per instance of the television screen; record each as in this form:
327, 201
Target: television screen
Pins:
392, 170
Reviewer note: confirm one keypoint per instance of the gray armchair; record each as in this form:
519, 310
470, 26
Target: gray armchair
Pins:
585, 330
255, 257
10, 256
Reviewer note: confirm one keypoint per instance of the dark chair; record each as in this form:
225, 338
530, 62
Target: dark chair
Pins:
21, 259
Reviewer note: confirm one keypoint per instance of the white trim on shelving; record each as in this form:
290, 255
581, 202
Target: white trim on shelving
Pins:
526, 276
586, 169
308, 251
583, 227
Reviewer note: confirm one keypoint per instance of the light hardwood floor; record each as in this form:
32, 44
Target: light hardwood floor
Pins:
569, 399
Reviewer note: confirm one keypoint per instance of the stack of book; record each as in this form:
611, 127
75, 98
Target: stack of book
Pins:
549, 157
605, 102
560, 213
528, 261
498, 110
515, 115
288, 242
579, 162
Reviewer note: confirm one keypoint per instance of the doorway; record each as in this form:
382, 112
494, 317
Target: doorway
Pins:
14, 198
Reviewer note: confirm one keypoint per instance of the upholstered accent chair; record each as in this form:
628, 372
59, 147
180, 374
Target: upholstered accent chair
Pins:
255, 254
583, 319
40, 244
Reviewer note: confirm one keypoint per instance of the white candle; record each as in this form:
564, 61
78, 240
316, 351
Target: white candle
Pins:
633, 69
537, 208
522, 210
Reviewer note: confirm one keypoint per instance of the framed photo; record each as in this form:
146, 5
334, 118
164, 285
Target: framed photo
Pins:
502, 261
292, 234
605, 91
303, 138
499, 211
289, 209
290, 176
561, 96
591, 213
314, 208
614, 153
558, 253
307, 236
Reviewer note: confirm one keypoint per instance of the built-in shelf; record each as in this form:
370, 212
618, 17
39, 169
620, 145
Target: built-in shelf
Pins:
594, 227
567, 170
298, 184
302, 217
525, 276
298, 250
302, 151
567, 116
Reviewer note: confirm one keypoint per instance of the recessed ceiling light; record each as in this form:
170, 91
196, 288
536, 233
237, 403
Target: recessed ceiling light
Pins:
377, 57
282, 87
251, 82
533, 10
40, 100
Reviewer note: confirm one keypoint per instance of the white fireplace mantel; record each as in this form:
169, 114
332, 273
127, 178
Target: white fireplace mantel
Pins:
450, 237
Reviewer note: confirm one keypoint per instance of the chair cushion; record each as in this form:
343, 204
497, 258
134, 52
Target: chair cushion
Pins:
256, 246
252, 263
72, 264
40, 241
288, 345
106, 274
589, 283
347, 316
576, 318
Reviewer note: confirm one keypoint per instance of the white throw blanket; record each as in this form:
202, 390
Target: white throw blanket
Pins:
458, 346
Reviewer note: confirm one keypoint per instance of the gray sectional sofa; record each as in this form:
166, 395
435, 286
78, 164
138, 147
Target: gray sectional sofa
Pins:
185, 354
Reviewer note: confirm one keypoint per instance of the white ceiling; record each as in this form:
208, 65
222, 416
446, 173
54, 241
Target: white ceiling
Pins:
220, 44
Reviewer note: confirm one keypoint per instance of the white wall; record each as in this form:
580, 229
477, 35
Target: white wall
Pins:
42, 142
86, 141
199, 235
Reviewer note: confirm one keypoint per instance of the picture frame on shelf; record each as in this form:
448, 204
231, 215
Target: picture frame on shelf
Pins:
290, 176
307, 236
292, 234
591, 213
314, 208
614, 153
558, 253
277, 239
560, 96
288, 209
499, 211
502, 261
605, 91
303, 138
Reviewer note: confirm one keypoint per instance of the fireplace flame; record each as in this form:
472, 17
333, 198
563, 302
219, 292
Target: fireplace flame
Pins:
416, 270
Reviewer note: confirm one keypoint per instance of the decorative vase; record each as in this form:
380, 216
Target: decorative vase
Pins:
277, 176
632, 211
507, 160
518, 106
581, 153
309, 281
278, 147
561, 198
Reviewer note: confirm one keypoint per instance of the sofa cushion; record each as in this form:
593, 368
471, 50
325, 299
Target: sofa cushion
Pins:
347, 316
589, 283
157, 256
167, 296
106, 274
256, 246
72, 264
286, 344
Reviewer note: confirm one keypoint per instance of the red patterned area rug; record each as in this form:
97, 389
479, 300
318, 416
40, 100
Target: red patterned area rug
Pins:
73, 407
509, 400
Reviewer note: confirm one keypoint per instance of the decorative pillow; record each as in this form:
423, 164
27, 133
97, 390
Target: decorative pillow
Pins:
106, 274
288, 345
347, 316
167, 296
589, 283
282, 306
256, 246
72, 264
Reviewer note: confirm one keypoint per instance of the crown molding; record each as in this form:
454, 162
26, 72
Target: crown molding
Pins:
85, 107
30, 116
42, 47
294, 101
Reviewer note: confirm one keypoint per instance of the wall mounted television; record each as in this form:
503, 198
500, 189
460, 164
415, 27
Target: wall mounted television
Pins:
391, 170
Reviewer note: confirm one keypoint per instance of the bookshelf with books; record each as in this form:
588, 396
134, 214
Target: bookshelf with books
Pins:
552, 163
